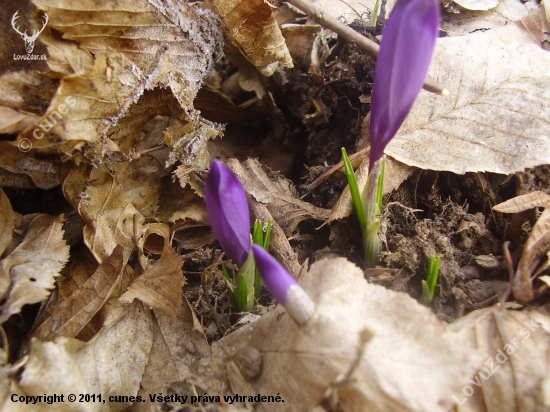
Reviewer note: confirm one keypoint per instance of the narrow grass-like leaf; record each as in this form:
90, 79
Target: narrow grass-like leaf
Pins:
354, 190
242, 293
229, 286
375, 13
267, 237
428, 285
380, 189
258, 233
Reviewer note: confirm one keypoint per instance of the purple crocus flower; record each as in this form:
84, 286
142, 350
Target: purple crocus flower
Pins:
228, 212
408, 42
283, 287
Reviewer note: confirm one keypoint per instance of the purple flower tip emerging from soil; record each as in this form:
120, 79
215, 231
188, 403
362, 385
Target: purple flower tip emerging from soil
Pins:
283, 287
228, 212
408, 42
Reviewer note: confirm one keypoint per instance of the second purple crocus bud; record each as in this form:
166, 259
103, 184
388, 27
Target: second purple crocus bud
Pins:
283, 287
408, 42
228, 212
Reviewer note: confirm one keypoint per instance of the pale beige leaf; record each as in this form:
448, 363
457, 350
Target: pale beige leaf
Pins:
535, 249
516, 361
178, 346
52, 369
11, 121
253, 28
545, 279
6, 221
31, 268
160, 286
524, 202
352, 350
477, 4
113, 362
71, 315
496, 116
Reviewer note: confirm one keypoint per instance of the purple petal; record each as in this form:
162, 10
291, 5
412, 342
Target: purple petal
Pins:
283, 287
408, 42
228, 212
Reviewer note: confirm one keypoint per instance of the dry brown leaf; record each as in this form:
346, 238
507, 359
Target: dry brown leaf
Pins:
136, 46
277, 193
299, 40
160, 286
110, 218
6, 222
28, 273
72, 314
178, 204
254, 30
28, 92
52, 369
487, 123
11, 121
178, 346
538, 242
524, 202
113, 361
516, 361
14, 159
534, 251
352, 348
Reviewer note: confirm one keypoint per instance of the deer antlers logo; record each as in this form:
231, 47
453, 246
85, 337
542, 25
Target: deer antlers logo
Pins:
29, 40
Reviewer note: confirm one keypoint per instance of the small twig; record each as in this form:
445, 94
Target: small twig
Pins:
137, 155
333, 169
352, 36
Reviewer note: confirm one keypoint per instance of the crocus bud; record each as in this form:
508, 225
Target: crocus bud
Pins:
228, 212
283, 287
408, 42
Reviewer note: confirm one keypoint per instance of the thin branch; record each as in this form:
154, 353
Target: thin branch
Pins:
352, 36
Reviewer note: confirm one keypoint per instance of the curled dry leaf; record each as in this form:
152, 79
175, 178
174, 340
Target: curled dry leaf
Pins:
524, 202
277, 193
254, 30
534, 251
160, 286
537, 245
72, 314
351, 348
515, 368
487, 123
28, 273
